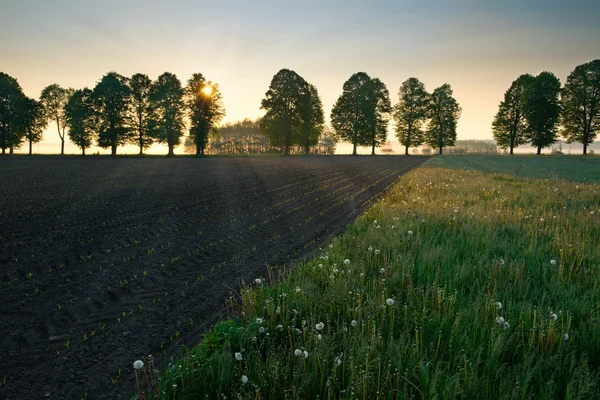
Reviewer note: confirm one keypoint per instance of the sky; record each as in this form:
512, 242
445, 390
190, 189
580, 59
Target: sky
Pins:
478, 47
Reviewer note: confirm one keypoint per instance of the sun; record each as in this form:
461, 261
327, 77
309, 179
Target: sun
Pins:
207, 90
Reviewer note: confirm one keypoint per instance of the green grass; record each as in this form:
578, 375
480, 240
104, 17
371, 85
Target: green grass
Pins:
448, 244
573, 168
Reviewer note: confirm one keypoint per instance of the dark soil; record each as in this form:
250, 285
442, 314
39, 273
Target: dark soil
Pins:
105, 260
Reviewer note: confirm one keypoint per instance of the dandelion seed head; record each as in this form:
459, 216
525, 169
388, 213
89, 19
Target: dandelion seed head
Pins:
554, 316
377, 252
320, 326
238, 356
410, 233
244, 379
139, 364
297, 352
347, 262
258, 281
566, 337
552, 262
305, 353
354, 323
499, 320
499, 305
259, 321
390, 302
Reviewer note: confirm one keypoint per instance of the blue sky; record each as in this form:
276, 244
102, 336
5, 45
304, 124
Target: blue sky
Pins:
477, 47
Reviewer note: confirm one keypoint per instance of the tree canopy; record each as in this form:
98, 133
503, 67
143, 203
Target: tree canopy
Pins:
285, 105
82, 119
580, 100
542, 110
360, 114
411, 113
140, 86
166, 121
509, 126
54, 98
444, 113
112, 99
11, 106
34, 121
205, 109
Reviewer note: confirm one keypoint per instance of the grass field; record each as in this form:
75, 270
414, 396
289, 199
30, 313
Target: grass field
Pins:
472, 278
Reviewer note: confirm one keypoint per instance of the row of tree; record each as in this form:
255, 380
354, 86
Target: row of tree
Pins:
117, 111
294, 113
535, 109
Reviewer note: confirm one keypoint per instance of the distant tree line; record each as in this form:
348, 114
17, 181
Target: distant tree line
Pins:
117, 111
535, 109
246, 137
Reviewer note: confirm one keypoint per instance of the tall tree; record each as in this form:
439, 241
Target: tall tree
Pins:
580, 100
166, 122
54, 98
542, 110
444, 113
140, 86
283, 105
411, 113
509, 126
349, 115
81, 118
312, 119
377, 109
205, 108
112, 98
11, 112
34, 121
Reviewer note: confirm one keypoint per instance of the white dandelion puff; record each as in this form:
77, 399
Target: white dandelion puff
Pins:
347, 262
354, 323
566, 337
139, 364
238, 356
410, 233
297, 352
499, 320
258, 281
305, 353
244, 379
259, 321
554, 316
552, 262
390, 302
499, 305
320, 326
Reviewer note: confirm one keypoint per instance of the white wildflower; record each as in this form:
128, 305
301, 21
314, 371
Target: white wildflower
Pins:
499, 320
566, 337
377, 252
499, 305
382, 271
552, 262
338, 361
238, 356
298, 290
410, 233
297, 352
506, 325
347, 262
244, 379
279, 328
320, 326
305, 353
354, 323
259, 321
139, 364
554, 316
390, 302
258, 281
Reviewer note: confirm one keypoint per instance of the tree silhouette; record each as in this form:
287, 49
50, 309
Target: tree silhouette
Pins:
34, 121
82, 119
11, 111
411, 113
112, 99
444, 113
509, 126
580, 100
54, 98
542, 110
166, 121
350, 113
205, 108
311, 111
283, 105
377, 110
140, 86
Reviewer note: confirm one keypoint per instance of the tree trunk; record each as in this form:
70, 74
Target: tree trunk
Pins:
141, 146
307, 149
354, 150
440, 150
62, 146
30, 147
83, 151
539, 150
287, 150
170, 151
584, 148
512, 145
113, 149
373, 150
406, 150
3, 150
11, 150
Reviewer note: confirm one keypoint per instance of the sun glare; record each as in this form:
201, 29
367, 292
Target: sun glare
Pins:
207, 90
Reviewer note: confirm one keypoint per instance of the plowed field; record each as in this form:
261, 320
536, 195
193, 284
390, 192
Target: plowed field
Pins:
104, 260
